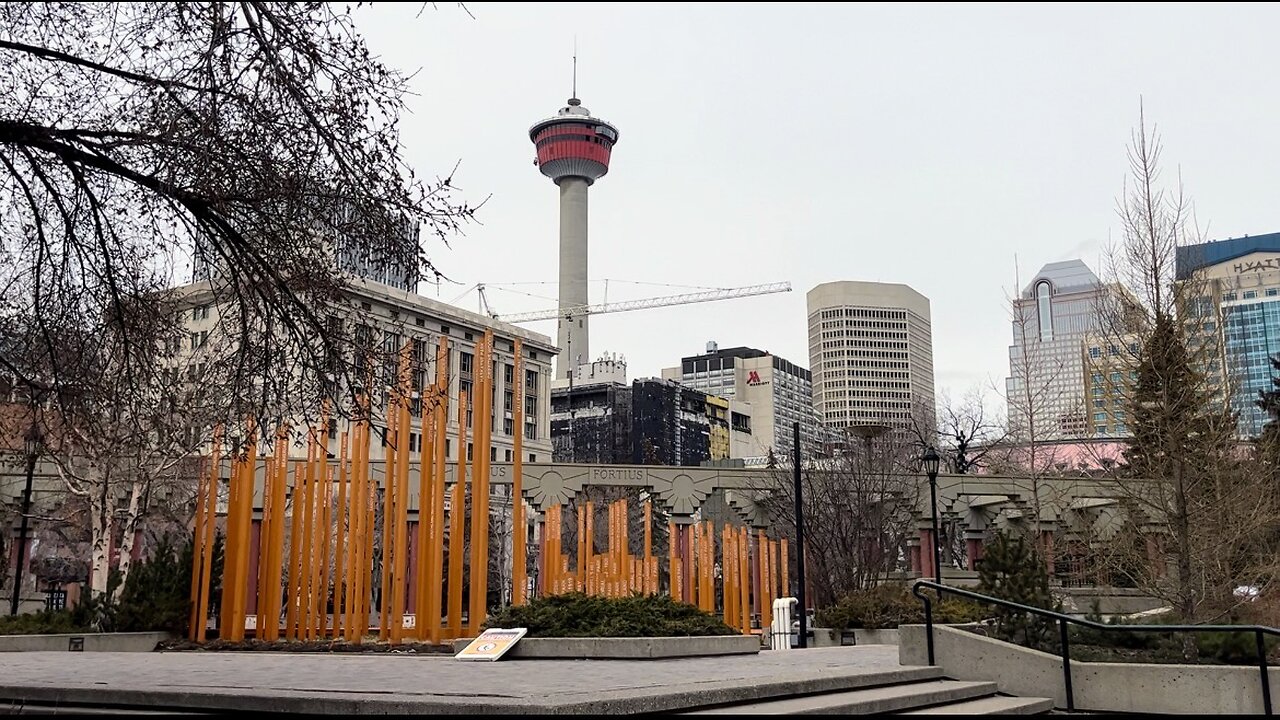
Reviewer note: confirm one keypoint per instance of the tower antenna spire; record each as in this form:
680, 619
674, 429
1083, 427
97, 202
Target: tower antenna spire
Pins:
575, 66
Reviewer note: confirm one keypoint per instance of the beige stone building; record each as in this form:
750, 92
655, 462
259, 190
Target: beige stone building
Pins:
388, 317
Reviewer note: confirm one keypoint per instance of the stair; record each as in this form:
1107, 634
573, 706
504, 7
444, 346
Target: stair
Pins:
920, 697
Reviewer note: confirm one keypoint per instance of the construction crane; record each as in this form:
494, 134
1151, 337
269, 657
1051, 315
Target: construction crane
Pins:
629, 305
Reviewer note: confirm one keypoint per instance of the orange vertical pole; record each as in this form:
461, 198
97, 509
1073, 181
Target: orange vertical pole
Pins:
672, 570
441, 415
648, 546
264, 547
581, 570
197, 557
368, 499
355, 515
295, 553
624, 547
401, 513
308, 539
340, 595
426, 506
457, 511
210, 537
324, 526
744, 581
728, 591
279, 499
390, 456
519, 550
243, 525
369, 506
226, 606
588, 549
765, 601
320, 544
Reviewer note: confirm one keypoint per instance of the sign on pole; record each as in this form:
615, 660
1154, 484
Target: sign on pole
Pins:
491, 644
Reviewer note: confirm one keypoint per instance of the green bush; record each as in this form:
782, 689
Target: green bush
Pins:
579, 615
1012, 570
156, 596
891, 605
45, 622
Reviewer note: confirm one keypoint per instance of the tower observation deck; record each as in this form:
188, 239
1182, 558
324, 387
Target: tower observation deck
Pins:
573, 150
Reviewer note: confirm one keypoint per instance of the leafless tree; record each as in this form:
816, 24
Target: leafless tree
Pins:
256, 139
968, 431
1208, 512
859, 510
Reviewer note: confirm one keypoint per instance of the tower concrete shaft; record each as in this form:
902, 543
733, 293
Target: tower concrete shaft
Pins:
573, 334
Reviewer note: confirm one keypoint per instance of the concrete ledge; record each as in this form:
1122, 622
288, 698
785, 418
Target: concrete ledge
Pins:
888, 636
89, 642
1099, 687
643, 648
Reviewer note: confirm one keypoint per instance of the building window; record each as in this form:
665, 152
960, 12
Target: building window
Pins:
533, 457
1272, 292
1044, 310
1095, 352
530, 431
508, 426
1228, 297
465, 362
493, 454
469, 449
1250, 294
55, 600
508, 455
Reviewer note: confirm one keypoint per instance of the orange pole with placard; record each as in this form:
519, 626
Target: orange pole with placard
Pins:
400, 514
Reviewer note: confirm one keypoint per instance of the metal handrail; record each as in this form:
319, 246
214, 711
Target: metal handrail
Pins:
1259, 632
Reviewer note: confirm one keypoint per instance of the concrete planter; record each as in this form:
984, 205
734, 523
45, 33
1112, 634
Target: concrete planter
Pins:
888, 636
84, 642
628, 648
1098, 687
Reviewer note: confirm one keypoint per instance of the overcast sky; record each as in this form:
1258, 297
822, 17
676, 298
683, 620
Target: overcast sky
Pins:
928, 145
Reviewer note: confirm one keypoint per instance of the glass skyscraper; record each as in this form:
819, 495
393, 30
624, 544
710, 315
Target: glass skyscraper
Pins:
1242, 281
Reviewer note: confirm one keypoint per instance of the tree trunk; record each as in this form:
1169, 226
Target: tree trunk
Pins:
131, 523
100, 537
1182, 539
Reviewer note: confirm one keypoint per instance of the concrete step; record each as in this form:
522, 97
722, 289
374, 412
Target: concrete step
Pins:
885, 699
993, 705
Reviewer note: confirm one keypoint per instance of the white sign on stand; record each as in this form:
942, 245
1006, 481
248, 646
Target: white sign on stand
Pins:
492, 644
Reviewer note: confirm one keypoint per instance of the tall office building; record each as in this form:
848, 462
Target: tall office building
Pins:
871, 355
1065, 381
780, 392
1241, 292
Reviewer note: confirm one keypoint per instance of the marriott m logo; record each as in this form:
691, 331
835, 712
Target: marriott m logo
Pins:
753, 378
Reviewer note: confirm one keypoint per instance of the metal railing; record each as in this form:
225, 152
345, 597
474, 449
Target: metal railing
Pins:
1259, 631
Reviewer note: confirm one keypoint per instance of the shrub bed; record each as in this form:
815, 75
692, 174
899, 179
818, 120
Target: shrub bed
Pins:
580, 615
888, 606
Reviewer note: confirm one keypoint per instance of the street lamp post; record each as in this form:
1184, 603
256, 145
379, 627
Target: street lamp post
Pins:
31, 446
930, 462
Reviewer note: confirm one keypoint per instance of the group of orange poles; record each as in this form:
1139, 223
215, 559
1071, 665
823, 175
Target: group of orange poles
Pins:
309, 558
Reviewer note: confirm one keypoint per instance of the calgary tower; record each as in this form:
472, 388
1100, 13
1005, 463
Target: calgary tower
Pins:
573, 150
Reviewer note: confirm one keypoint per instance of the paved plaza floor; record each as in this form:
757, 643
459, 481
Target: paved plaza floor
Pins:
415, 683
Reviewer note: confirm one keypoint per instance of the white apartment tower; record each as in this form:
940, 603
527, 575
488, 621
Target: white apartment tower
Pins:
1054, 319
871, 354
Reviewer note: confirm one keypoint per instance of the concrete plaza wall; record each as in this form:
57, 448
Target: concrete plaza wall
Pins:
1101, 687
93, 642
